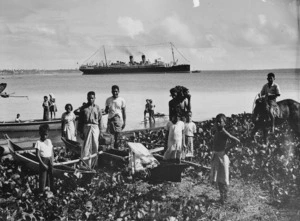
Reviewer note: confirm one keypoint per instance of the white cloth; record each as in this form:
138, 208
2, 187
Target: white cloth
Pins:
45, 148
175, 131
69, 125
274, 89
220, 167
115, 106
91, 143
190, 129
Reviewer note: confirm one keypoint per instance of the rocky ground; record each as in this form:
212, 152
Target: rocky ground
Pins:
265, 184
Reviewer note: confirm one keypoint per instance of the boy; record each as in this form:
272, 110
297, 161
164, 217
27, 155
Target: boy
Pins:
18, 118
220, 161
189, 130
45, 155
46, 106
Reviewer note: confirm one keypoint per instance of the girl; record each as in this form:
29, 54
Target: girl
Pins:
220, 161
174, 139
45, 155
68, 123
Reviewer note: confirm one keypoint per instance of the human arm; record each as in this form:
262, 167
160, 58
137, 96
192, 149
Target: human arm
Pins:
38, 155
124, 117
230, 137
63, 125
81, 124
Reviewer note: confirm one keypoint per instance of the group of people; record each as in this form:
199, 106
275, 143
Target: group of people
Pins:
49, 107
179, 137
181, 130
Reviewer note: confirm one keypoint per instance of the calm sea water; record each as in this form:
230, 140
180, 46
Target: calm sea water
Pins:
213, 92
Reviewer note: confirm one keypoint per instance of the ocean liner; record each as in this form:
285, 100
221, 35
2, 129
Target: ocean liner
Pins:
141, 67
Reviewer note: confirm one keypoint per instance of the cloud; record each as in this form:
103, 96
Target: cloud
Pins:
130, 26
262, 19
253, 35
196, 3
177, 29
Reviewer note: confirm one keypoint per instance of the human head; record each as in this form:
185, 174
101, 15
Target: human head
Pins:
43, 131
115, 91
175, 118
220, 121
91, 96
45, 98
89, 206
173, 92
271, 77
189, 116
68, 108
150, 101
18, 115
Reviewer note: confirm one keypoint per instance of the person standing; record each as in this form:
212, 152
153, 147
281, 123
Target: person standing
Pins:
53, 107
68, 123
189, 131
115, 107
89, 127
174, 140
46, 105
220, 161
45, 155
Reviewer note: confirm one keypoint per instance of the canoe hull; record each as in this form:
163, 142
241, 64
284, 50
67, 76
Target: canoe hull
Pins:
33, 125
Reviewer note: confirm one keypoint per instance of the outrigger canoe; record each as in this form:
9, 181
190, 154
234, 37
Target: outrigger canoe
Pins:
139, 159
29, 125
60, 170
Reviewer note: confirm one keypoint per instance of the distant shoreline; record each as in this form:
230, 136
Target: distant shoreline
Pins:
39, 71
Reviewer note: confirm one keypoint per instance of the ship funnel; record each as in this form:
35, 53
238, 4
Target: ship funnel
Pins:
131, 59
143, 59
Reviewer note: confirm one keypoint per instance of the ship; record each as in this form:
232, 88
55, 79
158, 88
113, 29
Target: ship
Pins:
144, 66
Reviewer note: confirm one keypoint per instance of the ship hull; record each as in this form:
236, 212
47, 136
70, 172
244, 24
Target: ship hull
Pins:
138, 69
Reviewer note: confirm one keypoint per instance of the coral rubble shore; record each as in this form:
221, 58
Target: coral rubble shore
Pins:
265, 184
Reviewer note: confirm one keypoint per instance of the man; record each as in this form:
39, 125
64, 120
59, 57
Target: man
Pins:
89, 127
115, 106
180, 104
270, 92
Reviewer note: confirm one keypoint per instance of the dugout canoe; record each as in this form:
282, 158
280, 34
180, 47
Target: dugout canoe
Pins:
29, 125
61, 170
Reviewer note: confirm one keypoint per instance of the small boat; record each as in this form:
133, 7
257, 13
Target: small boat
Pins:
29, 125
60, 170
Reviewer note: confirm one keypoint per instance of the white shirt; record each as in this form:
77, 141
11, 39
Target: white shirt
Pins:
190, 129
274, 89
45, 148
115, 106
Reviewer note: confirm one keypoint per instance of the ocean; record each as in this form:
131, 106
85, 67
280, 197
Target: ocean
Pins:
213, 92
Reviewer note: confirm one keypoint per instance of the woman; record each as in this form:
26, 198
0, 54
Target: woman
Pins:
68, 123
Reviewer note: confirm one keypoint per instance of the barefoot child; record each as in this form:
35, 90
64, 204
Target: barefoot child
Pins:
189, 130
45, 155
220, 161
174, 139
46, 106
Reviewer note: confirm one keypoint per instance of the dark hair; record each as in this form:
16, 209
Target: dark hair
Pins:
271, 75
43, 128
173, 90
91, 93
45, 97
221, 116
69, 105
115, 87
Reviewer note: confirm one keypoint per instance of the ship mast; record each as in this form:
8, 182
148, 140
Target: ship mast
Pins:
172, 53
105, 56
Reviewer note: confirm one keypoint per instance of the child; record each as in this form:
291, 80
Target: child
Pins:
88, 214
151, 111
174, 139
220, 161
53, 107
189, 130
18, 119
46, 106
45, 155
68, 123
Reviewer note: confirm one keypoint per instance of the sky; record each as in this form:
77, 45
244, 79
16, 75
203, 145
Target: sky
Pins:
210, 34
